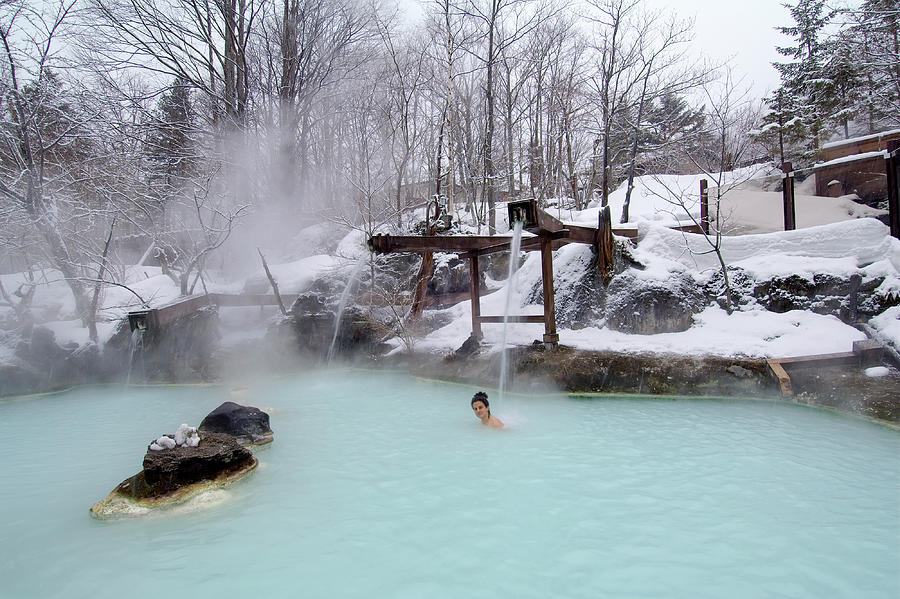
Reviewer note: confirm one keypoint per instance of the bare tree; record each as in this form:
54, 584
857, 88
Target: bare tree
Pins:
503, 23
618, 68
37, 132
203, 42
730, 116
663, 70
318, 44
407, 75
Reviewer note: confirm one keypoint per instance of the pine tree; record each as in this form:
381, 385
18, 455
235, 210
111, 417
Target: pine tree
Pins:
170, 153
169, 144
668, 122
871, 41
782, 132
807, 91
847, 81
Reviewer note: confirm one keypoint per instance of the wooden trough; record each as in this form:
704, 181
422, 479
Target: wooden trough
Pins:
867, 352
153, 318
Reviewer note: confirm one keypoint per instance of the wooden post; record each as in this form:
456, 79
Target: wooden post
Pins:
422, 280
892, 168
475, 295
550, 336
704, 206
790, 218
605, 244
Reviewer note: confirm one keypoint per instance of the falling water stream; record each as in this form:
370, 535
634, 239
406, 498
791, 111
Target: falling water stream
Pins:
514, 245
137, 348
342, 304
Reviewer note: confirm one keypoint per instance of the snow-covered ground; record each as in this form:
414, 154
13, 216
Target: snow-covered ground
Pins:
832, 238
858, 246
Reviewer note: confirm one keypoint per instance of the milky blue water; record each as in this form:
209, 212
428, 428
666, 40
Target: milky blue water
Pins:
379, 485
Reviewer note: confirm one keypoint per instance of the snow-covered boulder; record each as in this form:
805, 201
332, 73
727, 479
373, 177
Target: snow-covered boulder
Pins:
647, 306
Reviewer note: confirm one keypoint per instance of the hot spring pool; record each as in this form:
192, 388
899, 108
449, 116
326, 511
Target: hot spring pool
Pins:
379, 485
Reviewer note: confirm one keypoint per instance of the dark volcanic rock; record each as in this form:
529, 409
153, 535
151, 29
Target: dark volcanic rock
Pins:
450, 275
180, 350
170, 469
247, 424
172, 475
41, 363
312, 322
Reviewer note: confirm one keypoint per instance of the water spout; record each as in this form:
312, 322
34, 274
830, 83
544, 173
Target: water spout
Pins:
342, 304
136, 349
514, 247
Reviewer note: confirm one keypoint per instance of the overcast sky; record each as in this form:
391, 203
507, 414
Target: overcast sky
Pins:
741, 30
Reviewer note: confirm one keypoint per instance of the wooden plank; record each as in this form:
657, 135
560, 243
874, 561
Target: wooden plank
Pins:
689, 229
188, 305
784, 379
579, 234
844, 358
547, 223
629, 232
869, 352
483, 244
532, 318
449, 299
184, 307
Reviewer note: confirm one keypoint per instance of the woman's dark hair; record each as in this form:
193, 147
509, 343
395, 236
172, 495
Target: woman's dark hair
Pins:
482, 397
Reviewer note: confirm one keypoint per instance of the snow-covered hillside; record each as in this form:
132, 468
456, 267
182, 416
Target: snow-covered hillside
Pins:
840, 244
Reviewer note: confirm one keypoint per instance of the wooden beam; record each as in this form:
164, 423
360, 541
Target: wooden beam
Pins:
892, 170
547, 223
550, 335
482, 244
188, 305
629, 232
474, 280
579, 234
784, 379
386, 244
528, 244
704, 206
787, 192
605, 246
533, 318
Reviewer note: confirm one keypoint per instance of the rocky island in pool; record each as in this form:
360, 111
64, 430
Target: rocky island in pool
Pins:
180, 467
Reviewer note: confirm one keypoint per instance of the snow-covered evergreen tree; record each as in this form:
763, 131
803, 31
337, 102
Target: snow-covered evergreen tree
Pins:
782, 132
807, 89
870, 41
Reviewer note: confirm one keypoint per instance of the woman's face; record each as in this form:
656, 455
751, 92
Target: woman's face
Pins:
480, 409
